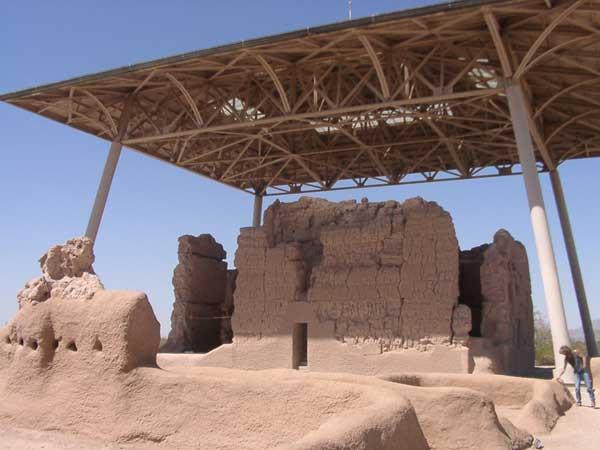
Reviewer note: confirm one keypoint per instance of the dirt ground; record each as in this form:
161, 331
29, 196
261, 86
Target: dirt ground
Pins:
578, 430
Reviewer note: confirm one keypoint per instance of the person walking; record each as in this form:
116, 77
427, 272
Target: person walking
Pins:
581, 370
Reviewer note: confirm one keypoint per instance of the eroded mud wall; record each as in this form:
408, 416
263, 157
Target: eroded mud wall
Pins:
200, 284
388, 273
376, 278
499, 287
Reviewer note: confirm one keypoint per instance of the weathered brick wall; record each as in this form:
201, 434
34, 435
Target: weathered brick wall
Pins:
500, 288
268, 279
200, 283
380, 272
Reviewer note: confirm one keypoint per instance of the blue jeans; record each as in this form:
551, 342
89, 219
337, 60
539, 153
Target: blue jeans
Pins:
585, 375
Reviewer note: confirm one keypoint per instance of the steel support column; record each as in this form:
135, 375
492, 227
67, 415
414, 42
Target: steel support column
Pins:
565, 223
107, 176
257, 214
539, 221
103, 189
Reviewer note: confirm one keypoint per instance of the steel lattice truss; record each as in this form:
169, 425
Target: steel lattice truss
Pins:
407, 97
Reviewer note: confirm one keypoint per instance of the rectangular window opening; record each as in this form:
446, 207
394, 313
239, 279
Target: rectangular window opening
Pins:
300, 346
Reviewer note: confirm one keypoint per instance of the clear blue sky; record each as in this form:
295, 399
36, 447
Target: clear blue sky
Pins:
49, 172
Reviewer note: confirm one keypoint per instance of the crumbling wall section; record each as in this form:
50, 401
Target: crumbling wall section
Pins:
67, 273
227, 308
388, 274
507, 317
501, 273
67, 322
200, 285
268, 279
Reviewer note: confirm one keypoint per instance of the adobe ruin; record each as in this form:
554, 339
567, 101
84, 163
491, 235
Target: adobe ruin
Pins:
401, 98
96, 351
203, 304
67, 312
67, 272
374, 287
495, 285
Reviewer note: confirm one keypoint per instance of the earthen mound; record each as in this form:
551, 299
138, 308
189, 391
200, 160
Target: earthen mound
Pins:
106, 393
530, 404
451, 418
110, 333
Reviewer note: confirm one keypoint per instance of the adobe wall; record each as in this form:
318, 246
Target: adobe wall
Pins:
497, 288
200, 283
377, 284
67, 322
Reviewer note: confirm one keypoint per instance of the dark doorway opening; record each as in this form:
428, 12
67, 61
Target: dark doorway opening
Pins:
470, 286
300, 345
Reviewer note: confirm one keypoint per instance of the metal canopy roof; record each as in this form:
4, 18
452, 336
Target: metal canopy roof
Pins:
414, 96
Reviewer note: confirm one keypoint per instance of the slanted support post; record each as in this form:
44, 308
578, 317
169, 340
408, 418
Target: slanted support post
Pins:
257, 214
539, 221
565, 223
107, 176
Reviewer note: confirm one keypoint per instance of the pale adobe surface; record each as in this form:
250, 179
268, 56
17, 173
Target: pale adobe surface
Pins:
76, 326
377, 285
14, 438
451, 418
207, 408
454, 411
578, 430
384, 272
200, 285
495, 283
105, 392
530, 404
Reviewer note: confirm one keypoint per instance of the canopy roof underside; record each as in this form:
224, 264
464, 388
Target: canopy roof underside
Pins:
400, 98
